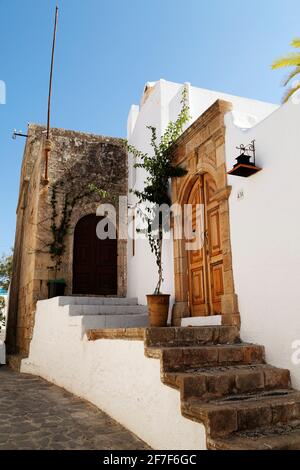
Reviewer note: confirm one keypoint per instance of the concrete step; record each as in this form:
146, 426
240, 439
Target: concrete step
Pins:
244, 412
179, 336
280, 437
88, 300
94, 322
107, 309
217, 382
190, 359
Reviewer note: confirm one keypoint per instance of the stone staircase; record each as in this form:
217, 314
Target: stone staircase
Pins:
106, 312
225, 384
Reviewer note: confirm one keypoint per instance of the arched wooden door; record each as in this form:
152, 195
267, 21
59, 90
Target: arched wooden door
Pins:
205, 265
94, 260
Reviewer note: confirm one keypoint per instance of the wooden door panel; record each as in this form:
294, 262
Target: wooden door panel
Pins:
94, 260
82, 283
82, 255
206, 265
106, 282
196, 256
198, 291
215, 255
197, 274
107, 253
217, 286
214, 233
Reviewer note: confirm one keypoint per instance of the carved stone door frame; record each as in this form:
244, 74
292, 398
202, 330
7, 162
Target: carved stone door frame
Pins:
201, 149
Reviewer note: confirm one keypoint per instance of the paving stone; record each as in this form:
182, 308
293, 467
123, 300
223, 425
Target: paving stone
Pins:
37, 415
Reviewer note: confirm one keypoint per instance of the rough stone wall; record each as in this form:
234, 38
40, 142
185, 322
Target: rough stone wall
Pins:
75, 161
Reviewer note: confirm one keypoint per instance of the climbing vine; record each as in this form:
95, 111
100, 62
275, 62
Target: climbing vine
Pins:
2, 316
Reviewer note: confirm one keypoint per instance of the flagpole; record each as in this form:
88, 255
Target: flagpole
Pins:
48, 144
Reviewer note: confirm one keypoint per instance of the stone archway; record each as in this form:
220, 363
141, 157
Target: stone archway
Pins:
201, 149
80, 211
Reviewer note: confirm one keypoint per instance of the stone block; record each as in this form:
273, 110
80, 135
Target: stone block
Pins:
249, 381
193, 387
254, 416
230, 355
219, 384
275, 377
222, 421
254, 354
196, 357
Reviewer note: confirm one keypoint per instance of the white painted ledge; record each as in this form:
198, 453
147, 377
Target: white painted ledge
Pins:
213, 320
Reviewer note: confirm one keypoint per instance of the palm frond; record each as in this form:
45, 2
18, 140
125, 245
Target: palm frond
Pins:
291, 75
290, 92
296, 43
290, 60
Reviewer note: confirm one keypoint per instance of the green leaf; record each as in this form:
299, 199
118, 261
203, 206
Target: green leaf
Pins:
290, 92
291, 75
289, 60
296, 43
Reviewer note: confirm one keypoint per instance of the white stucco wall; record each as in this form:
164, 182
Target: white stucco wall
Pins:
115, 375
163, 105
265, 235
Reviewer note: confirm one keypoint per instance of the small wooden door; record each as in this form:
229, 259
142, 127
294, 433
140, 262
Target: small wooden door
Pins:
94, 260
205, 265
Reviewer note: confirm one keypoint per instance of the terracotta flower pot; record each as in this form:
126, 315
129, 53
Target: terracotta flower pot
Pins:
158, 309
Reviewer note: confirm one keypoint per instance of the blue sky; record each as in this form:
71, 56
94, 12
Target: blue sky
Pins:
108, 49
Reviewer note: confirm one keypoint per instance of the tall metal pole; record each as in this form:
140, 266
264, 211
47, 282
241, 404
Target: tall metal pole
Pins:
48, 146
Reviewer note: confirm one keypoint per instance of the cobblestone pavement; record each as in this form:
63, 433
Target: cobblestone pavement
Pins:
35, 414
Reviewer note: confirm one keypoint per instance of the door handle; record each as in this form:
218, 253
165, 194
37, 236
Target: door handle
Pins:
206, 241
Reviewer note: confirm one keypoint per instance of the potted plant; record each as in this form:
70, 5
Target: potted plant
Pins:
56, 288
156, 193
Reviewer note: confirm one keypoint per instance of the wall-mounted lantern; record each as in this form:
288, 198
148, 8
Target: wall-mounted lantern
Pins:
244, 166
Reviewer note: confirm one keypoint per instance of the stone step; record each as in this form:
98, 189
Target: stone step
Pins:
92, 300
280, 437
217, 382
244, 412
193, 336
107, 309
94, 322
189, 359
